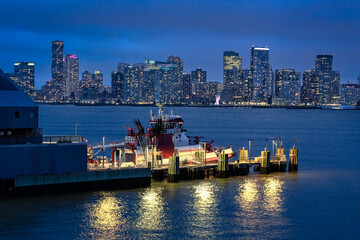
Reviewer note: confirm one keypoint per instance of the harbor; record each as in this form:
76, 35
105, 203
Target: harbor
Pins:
31, 162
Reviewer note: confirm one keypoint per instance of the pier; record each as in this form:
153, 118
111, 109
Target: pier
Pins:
265, 164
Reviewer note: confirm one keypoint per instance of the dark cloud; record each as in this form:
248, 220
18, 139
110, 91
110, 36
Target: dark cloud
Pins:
103, 33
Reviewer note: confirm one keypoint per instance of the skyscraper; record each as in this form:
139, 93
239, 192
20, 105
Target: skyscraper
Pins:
71, 73
232, 63
198, 80
321, 85
57, 67
132, 83
287, 86
324, 62
24, 76
260, 69
117, 85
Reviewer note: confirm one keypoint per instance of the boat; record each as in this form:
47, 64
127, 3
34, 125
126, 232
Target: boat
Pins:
165, 138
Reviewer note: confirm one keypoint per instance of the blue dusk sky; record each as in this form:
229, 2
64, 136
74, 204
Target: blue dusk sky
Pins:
103, 33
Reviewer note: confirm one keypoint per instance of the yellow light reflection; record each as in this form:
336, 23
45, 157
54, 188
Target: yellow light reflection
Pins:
272, 195
106, 217
204, 206
151, 209
248, 195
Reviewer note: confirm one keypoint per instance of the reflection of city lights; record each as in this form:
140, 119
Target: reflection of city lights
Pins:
272, 194
204, 193
106, 216
151, 209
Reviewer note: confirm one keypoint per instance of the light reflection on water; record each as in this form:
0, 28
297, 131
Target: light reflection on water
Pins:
260, 201
151, 214
203, 209
105, 217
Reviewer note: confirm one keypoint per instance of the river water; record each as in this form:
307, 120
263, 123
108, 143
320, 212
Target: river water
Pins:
321, 201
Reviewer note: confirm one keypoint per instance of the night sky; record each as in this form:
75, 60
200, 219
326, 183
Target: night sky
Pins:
103, 33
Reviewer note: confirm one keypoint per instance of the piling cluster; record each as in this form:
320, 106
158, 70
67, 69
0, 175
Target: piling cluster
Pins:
264, 164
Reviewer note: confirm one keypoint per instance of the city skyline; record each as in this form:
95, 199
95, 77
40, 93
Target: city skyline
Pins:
195, 31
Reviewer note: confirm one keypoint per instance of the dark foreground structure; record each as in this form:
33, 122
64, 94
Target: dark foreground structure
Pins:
30, 165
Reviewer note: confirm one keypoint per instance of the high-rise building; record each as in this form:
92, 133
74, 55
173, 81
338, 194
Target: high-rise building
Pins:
324, 62
57, 67
117, 85
232, 63
310, 87
122, 66
260, 69
24, 76
71, 73
350, 94
321, 85
359, 79
198, 80
186, 85
287, 86
175, 60
132, 83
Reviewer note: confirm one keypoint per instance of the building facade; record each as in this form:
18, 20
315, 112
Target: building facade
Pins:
287, 86
71, 73
260, 69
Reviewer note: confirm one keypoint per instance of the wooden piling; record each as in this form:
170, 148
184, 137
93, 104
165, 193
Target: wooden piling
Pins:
223, 166
265, 162
293, 160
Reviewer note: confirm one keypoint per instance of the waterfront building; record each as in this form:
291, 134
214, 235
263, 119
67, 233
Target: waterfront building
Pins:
198, 80
133, 75
260, 69
117, 85
24, 76
243, 86
310, 87
287, 86
350, 94
163, 81
321, 85
71, 73
232, 63
91, 84
186, 85
57, 65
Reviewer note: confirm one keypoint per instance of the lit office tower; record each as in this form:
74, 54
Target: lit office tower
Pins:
71, 73
310, 87
324, 62
176, 61
260, 69
232, 63
321, 85
287, 86
57, 60
24, 76
198, 80
132, 83
98, 80
186, 85
122, 66
117, 85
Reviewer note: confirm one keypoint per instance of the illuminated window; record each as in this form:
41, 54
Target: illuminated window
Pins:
8, 133
32, 115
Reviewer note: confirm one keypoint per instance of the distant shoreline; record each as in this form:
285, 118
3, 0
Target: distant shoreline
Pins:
182, 105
